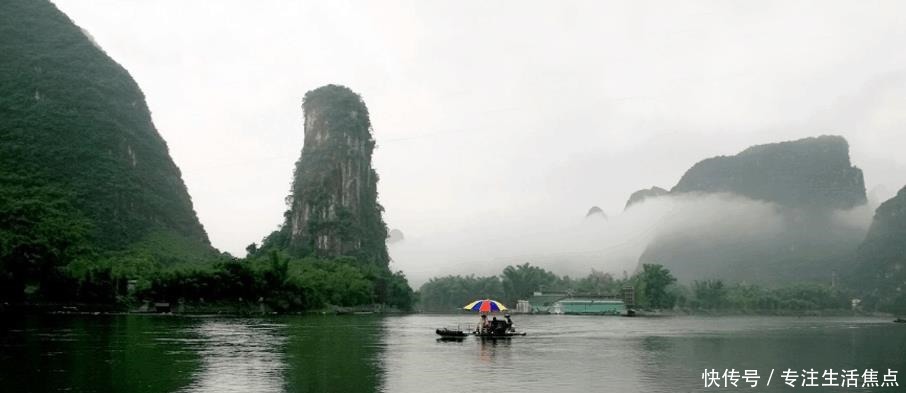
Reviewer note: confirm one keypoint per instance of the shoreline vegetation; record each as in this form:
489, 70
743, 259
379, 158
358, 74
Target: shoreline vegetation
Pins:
269, 283
657, 293
276, 284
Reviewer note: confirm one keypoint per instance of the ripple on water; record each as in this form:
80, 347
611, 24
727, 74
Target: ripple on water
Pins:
239, 356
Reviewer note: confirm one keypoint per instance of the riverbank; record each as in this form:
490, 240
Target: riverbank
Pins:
225, 309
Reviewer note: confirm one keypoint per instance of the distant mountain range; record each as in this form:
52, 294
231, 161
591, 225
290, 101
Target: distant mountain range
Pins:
806, 181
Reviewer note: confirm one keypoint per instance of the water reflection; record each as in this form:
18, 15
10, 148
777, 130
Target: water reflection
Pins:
334, 354
240, 356
156, 354
50, 353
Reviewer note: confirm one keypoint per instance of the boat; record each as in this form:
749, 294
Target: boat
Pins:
451, 333
899, 320
494, 336
497, 331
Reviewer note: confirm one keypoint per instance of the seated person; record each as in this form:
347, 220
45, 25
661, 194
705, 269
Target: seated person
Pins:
498, 327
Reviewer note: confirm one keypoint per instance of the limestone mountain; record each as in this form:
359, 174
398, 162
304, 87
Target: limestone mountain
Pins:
81, 163
333, 207
596, 212
881, 262
644, 194
810, 173
805, 181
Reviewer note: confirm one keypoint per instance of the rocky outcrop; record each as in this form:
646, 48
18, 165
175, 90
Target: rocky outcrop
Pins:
333, 205
642, 195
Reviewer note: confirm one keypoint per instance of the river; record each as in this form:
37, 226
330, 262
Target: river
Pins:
368, 353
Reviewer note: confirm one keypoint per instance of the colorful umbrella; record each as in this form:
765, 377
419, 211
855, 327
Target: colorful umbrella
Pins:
486, 305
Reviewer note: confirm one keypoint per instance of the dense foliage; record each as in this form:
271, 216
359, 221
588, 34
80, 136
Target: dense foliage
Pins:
714, 295
521, 281
450, 293
283, 284
73, 119
83, 172
651, 287
655, 288
518, 282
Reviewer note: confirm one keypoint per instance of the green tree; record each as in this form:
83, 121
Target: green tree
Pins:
450, 293
652, 287
521, 281
710, 294
40, 232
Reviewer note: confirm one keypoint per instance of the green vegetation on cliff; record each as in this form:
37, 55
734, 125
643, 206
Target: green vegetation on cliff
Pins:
333, 207
334, 214
810, 173
84, 175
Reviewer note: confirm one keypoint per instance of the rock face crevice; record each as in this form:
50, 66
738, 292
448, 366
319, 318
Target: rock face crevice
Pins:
333, 208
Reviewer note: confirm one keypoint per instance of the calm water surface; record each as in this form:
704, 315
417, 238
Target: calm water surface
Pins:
401, 353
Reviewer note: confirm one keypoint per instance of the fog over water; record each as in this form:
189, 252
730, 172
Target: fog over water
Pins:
500, 124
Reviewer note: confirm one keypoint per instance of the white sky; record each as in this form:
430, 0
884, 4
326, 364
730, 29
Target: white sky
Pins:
503, 115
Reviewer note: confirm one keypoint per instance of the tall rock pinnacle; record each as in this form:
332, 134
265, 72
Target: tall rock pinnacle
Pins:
333, 204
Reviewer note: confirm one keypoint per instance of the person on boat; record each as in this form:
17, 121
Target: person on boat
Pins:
497, 327
482, 324
509, 323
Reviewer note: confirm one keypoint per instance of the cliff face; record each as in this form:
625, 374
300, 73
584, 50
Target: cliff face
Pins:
75, 131
805, 181
333, 205
811, 173
881, 262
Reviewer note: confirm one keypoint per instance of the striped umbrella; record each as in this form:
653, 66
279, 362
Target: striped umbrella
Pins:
486, 305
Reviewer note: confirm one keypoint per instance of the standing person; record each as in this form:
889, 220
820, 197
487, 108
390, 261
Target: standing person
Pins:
482, 324
509, 323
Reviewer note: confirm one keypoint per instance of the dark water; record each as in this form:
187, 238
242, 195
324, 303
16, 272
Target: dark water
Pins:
401, 354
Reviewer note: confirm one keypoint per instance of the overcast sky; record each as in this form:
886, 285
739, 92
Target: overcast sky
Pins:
501, 115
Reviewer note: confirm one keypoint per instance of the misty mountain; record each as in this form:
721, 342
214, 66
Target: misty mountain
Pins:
81, 163
798, 188
644, 194
596, 212
333, 204
810, 173
881, 268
